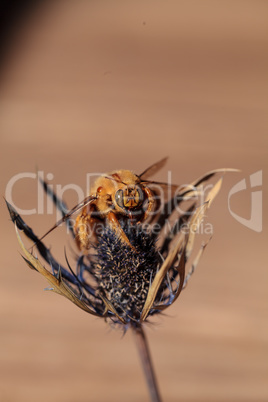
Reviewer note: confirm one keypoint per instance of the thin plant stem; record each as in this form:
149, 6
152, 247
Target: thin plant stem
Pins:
143, 348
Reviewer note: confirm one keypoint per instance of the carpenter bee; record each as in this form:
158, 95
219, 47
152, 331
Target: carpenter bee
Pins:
118, 198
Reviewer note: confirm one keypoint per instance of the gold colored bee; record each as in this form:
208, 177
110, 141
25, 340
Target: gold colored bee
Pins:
115, 198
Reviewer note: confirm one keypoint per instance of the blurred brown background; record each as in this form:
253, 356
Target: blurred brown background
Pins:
92, 86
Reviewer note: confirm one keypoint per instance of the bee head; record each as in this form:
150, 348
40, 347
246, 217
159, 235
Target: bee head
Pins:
129, 197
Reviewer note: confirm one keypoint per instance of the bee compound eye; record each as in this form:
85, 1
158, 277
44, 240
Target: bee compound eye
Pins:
119, 198
139, 196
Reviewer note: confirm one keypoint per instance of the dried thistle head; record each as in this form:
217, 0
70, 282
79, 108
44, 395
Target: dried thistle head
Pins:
128, 281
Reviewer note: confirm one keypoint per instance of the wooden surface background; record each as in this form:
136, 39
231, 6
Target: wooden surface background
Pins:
92, 86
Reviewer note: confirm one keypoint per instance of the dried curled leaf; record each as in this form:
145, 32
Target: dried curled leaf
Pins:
159, 277
58, 284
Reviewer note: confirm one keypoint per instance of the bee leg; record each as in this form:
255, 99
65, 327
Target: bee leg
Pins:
117, 227
151, 202
84, 229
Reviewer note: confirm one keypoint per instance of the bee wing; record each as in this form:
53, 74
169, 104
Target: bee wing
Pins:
166, 192
79, 206
151, 170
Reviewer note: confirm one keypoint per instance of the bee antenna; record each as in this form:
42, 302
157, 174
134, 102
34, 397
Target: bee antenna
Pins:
117, 179
79, 206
